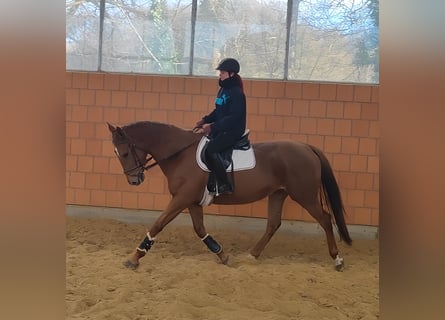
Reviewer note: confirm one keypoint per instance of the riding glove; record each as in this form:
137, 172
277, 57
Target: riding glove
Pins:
200, 123
207, 129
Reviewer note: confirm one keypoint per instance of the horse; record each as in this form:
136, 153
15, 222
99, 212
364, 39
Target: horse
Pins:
283, 169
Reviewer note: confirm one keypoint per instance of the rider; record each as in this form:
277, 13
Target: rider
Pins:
226, 124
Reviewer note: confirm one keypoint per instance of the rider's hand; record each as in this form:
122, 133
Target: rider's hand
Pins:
206, 128
200, 123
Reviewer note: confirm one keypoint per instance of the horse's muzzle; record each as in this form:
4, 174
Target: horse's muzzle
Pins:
136, 179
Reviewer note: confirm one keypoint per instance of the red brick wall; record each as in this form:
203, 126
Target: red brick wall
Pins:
341, 119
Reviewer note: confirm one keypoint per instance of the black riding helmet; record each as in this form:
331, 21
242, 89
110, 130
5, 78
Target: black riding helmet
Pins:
229, 65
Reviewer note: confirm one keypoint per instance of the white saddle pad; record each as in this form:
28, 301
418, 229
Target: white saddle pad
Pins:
242, 159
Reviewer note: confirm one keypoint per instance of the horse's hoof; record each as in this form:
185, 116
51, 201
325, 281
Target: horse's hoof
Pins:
225, 260
340, 267
252, 257
339, 264
131, 265
223, 257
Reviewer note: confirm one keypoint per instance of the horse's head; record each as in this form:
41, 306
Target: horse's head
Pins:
131, 157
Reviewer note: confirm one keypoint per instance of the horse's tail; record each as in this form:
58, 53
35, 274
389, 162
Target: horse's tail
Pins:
332, 195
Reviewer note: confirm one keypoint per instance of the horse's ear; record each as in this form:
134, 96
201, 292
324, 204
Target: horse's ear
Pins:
120, 132
116, 129
111, 127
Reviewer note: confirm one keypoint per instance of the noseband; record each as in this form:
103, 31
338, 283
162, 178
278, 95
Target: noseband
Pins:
140, 166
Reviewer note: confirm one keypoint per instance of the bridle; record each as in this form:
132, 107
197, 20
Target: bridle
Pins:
142, 165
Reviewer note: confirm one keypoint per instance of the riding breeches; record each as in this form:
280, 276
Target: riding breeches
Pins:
221, 142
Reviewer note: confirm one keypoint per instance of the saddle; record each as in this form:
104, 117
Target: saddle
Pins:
225, 157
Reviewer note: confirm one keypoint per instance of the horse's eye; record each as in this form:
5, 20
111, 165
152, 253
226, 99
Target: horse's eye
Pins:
124, 155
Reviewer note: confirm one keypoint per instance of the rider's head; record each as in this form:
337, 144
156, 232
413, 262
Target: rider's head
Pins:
229, 64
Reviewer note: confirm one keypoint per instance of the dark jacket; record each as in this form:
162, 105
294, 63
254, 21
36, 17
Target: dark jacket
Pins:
229, 114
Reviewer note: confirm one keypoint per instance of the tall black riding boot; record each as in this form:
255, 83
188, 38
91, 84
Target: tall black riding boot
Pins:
223, 185
211, 182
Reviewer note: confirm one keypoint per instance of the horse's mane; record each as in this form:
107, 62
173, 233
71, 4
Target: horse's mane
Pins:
150, 125
161, 138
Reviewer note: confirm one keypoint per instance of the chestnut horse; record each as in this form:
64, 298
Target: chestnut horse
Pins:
283, 168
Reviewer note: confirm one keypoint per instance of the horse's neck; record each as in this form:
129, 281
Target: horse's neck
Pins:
163, 140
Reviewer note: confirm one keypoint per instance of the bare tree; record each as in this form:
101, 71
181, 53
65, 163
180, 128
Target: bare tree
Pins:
334, 40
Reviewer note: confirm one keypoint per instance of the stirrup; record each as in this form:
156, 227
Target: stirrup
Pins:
224, 189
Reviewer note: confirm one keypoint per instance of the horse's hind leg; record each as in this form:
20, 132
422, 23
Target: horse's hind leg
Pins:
196, 213
324, 219
275, 207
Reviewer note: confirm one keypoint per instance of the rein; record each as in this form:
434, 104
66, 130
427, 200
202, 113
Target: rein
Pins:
144, 166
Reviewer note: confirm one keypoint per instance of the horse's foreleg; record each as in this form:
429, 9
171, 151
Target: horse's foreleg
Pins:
132, 261
196, 213
275, 207
173, 209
